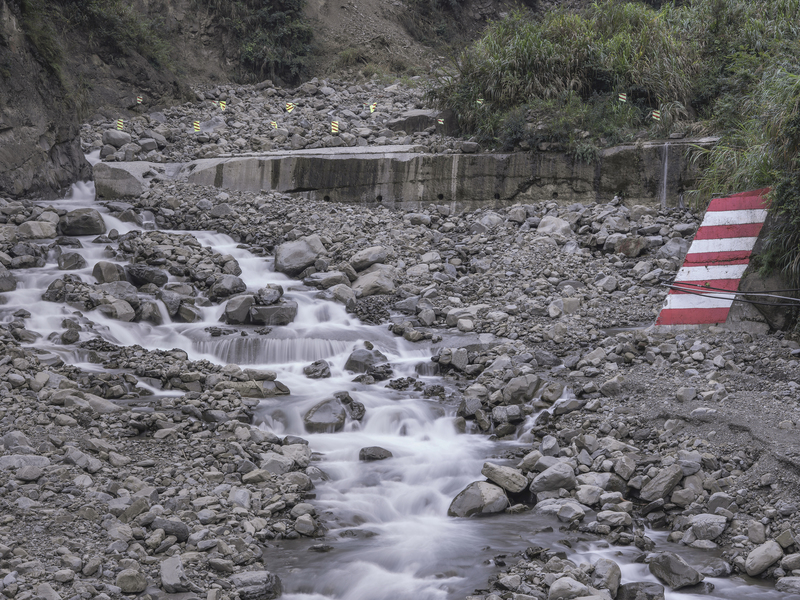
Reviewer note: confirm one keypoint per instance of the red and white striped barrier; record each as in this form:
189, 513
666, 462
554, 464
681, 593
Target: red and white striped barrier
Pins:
717, 258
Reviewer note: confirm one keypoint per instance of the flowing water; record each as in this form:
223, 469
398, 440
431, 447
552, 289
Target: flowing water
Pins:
389, 536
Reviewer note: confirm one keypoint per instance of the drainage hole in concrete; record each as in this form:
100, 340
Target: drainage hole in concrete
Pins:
497, 196
327, 198
440, 196
379, 198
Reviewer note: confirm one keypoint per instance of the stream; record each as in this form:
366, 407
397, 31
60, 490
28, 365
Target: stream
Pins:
388, 533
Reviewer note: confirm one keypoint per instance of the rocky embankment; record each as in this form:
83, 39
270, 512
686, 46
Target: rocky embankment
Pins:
255, 119
691, 432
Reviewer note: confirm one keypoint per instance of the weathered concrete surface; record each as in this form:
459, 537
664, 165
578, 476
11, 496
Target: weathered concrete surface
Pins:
403, 176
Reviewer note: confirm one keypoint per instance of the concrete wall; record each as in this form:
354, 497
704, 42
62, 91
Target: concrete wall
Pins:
402, 176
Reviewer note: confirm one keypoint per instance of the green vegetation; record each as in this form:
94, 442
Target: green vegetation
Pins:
730, 68
272, 38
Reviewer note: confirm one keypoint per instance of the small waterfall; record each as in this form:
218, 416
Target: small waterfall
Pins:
664, 176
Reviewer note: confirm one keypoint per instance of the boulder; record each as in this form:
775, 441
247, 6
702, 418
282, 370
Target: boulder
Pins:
326, 417
374, 453
116, 138
708, 527
762, 557
559, 476
115, 182
82, 221
640, 591
237, 309
294, 257
673, 571
368, 257
607, 576
226, 286
269, 294
257, 585
553, 225
70, 261
362, 359
276, 314
566, 588
511, 480
374, 283
319, 369
106, 272
662, 484
173, 577
788, 585
521, 389
143, 274
131, 581
36, 230
118, 309
478, 498
8, 283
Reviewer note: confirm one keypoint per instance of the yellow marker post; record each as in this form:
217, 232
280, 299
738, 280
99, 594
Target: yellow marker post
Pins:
480, 101
373, 107
656, 115
334, 126
440, 121
290, 106
274, 124
196, 125
623, 97
139, 99
223, 104
120, 124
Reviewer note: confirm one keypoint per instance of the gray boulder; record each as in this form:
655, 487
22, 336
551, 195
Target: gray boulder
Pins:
82, 221
257, 585
640, 591
116, 138
226, 286
607, 576
556, 477
118, 309
106, 272
237, 309
8, 283
276, 314
553, 225
269, 294
521, 389
662, 484
131, 581
708, 527
71, 261
173, 577
675, 248
788, 585
172, 527
567, 588
36, 230
362, 359
673, 571
371, 453
319, 369
762, 557
511, 480
143, 274
293, 257
325, 417
478, 498
374, 283
368, 257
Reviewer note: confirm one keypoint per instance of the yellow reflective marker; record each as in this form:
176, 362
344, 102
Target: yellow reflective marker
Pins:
139, 99
222, 104
274, 124
334, 126
120, 124
196, 125
373, 107
480, 101
623, 97
440, 121
290, 106
656, 115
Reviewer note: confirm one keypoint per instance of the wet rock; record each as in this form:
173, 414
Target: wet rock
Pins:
640, 591
226, 286
478, 498
82, 221
607, 576
326, 417
511, 480
8, 283
374, 453
673, 571
319, 369
142, 274
71, 261
106, 272
788, 585
36, 230
763, 557
237, 309
361, 360
257, 585
275, 315
293, 257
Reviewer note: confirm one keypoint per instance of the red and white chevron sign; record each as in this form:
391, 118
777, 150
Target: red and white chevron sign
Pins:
717, 259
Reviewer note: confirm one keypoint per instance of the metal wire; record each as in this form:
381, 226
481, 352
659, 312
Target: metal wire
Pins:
728, 293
